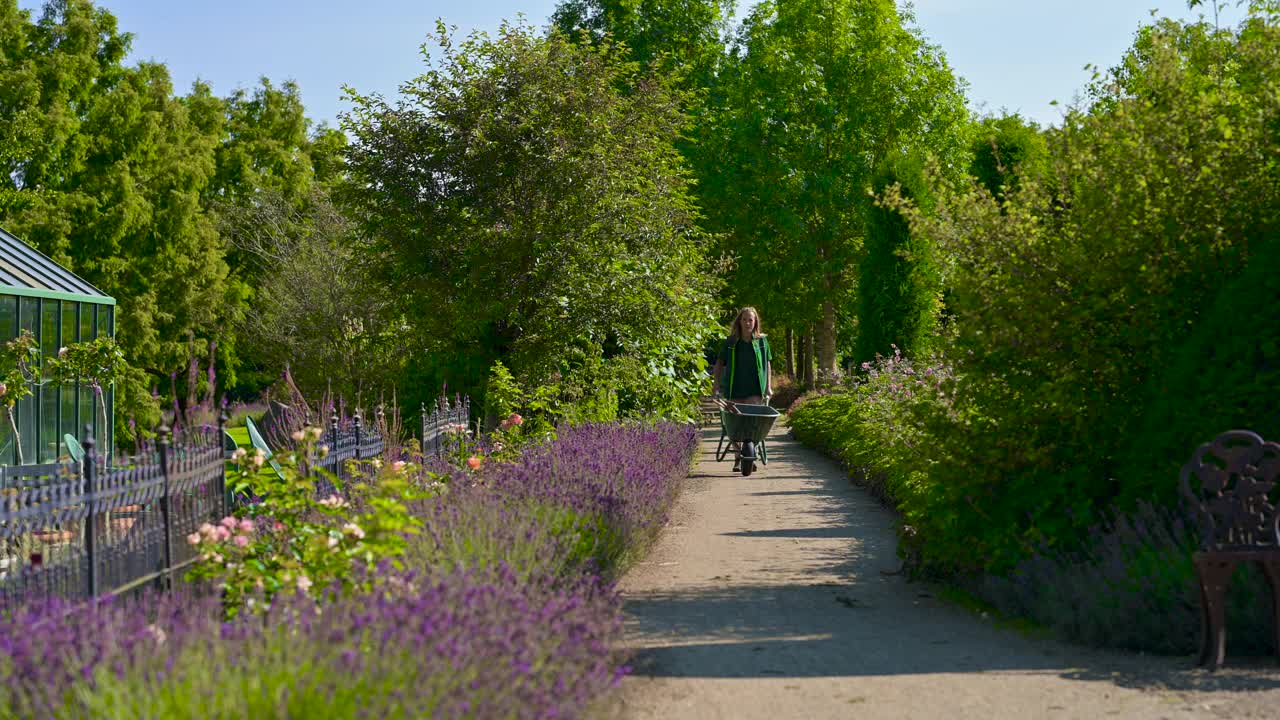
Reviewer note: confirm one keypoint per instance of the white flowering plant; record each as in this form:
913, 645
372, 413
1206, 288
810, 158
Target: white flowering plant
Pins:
291, 539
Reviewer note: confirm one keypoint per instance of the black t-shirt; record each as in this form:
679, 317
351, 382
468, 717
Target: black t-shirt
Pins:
746, 377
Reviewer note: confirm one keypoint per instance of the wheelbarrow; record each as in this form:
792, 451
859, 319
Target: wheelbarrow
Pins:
743, 429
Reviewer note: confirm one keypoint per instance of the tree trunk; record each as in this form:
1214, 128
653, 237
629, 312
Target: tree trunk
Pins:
800, 358
827, 342
805, 352
101, 402
788, 356
17, 438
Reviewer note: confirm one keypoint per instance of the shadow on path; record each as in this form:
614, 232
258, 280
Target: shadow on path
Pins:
786, 574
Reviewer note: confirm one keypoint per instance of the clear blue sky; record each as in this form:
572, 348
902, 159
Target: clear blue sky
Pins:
1015, 54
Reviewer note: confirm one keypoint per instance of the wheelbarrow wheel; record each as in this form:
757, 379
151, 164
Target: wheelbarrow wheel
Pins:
747, 467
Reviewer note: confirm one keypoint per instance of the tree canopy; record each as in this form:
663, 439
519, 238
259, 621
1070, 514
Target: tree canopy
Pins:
525, 198
816, 95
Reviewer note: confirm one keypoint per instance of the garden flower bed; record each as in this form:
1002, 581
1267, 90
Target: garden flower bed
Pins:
502, 606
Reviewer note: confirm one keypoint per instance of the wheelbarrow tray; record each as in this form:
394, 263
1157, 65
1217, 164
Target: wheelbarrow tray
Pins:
751, 423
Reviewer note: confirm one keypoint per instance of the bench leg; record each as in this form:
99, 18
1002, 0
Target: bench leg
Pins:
1271, 569
1214, 575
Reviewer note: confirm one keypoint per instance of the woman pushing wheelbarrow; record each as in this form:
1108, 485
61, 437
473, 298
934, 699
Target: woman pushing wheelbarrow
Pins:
745, 415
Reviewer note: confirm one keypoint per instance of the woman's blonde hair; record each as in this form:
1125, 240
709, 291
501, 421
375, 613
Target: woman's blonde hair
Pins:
735, 331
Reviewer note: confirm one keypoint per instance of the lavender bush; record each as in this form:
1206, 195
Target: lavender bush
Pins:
1132, 587
505, 609
625, 475
445, 645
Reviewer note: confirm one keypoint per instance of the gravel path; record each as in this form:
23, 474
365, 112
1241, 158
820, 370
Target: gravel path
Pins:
767, 598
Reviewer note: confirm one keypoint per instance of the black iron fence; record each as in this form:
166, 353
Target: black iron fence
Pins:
77, 530
442, 421
351, 445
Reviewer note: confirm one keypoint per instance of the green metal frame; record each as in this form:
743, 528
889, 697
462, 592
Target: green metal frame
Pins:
56, 295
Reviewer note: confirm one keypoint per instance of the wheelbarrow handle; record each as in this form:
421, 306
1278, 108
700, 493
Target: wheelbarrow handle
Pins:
728, 406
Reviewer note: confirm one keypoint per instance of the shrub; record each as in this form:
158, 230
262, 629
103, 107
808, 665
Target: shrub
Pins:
786, 392
1075, 296
1006, 149
446, 644
292, 538
873, 426
625, 475
1132, 587
1223, 376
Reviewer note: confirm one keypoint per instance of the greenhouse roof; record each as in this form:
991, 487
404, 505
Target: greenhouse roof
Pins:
25, 271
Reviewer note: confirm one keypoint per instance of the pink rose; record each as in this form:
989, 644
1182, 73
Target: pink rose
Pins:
474, 462
241, 541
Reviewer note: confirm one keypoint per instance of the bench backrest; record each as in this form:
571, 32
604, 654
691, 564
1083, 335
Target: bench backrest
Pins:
1231, 485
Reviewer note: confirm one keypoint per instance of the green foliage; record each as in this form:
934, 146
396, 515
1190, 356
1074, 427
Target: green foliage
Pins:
98, 363
21, 361
533, 206
678, 36
1223, 376
1086, 302
290, 540
503, 395
898, 284
107, 171
18, 375
872, 425
815, 98
313, 309
1005, 149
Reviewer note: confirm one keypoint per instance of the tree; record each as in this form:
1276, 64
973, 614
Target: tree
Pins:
525, 198
1006, 149
267, 152
818, 94
314, 310
682, 36
111, 189
20, 360
899, 290
98, 363
104, 169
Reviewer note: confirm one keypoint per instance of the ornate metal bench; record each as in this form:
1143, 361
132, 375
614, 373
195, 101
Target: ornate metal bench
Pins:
1231, 484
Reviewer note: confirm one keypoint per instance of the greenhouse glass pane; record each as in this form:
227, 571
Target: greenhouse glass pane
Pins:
68, 418
49, 337
28, 319
86, 322
29, 312
49, 438
26, 412
8, 317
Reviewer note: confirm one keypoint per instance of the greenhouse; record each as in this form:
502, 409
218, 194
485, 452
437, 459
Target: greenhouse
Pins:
59, 308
